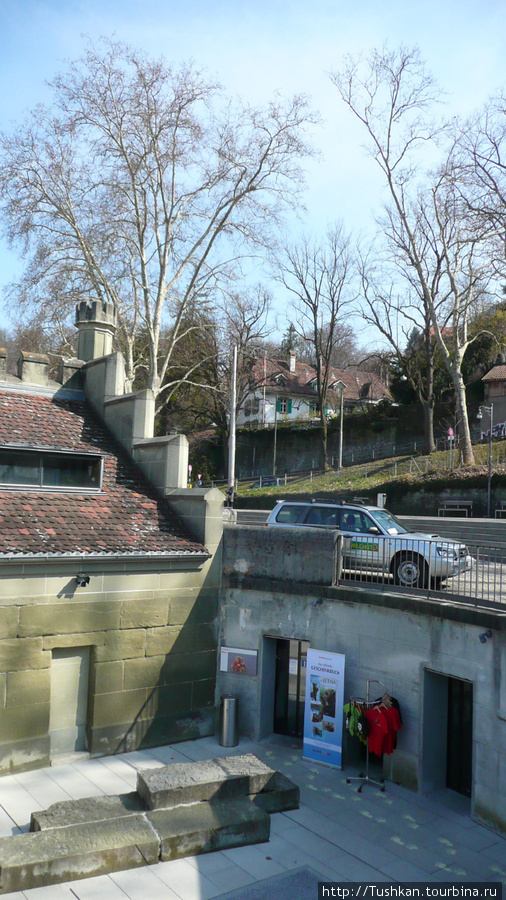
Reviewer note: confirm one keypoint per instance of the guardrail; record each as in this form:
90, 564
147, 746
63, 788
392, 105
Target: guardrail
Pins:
472, 573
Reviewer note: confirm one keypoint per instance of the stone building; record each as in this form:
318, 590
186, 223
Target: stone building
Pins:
443, 660
109, 566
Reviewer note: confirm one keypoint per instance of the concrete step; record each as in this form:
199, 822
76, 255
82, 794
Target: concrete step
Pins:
208, 826
231, 777
76, 851
209, 806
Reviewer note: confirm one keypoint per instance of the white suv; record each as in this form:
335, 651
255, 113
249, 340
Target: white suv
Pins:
374, 540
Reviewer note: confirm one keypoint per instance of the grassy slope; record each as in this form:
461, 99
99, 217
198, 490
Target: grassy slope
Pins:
393, 476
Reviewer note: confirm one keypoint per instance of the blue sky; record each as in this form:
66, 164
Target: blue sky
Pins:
256, 47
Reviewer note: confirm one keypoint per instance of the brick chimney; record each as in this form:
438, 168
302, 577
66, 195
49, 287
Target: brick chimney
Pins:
96, 324
291, 361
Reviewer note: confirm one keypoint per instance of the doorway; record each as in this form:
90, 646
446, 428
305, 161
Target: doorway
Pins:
459, 767
290, 686
447, 734
69, 699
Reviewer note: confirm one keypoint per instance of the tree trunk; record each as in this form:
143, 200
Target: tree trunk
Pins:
466, 448
428, 425
323, 440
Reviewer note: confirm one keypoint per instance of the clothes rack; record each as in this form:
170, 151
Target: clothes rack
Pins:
364, 777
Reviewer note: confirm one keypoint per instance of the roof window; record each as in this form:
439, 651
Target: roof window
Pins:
50, 470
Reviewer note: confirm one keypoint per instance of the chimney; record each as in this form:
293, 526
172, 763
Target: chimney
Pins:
69, 373
33, 367
291, 361
96, 323
3, 363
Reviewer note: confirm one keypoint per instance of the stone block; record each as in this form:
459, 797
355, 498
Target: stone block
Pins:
194, 666
25, 754
87, 809
67, 618
205, 636
170, 639
23, 653
8, 621
162, 729
203, 693
121, 707
143, 672
201, 607
174, 698
216, 779
59, 641
207, 827
279, 795
107, 677
23, 722
144, 613
78, 851
25, 687
126, 644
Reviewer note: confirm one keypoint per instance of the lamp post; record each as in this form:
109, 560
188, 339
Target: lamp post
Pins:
490, 410
341, 426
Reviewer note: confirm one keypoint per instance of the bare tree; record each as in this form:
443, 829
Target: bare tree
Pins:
397, 318
137, 185
437, 245
320, 278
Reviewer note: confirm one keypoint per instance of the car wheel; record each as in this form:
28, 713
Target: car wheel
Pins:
410, 570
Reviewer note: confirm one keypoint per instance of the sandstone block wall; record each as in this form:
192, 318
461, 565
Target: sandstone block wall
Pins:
150, 630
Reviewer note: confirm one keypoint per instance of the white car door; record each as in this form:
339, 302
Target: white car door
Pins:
362, 551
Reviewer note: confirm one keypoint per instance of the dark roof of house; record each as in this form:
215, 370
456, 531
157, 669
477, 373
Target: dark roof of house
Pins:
498, 373
359, 385
126, 517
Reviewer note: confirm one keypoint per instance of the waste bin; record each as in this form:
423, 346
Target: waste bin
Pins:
229, 731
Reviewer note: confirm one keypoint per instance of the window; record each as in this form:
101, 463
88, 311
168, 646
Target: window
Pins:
322, 515
284, 405
290, 514
46, 469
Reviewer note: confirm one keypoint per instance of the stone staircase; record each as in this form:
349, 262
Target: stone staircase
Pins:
177, 810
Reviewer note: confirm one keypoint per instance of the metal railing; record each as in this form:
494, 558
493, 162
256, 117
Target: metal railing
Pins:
469, 573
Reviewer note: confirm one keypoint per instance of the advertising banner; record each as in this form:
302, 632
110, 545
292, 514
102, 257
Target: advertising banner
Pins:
323, 710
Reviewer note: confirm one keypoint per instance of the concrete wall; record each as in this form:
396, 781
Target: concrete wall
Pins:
150, 627
395, 639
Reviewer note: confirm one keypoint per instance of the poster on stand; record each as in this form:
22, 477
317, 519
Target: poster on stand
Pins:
323, 711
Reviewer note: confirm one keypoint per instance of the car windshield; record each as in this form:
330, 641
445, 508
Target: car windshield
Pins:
389, 522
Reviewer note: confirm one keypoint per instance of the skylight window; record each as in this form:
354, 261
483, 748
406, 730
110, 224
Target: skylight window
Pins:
50, 470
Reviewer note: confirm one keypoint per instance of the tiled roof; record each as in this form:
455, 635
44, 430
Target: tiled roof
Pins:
126, 517
498, 373
299, 382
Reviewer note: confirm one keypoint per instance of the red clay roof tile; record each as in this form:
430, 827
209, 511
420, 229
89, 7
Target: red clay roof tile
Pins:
127, 517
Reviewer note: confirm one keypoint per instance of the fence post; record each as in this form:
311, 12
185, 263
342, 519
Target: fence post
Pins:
395, 469
338, 557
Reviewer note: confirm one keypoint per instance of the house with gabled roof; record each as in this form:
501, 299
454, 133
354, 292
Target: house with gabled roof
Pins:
109, 565
287, 390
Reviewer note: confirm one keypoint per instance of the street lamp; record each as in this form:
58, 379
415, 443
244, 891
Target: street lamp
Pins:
490, 410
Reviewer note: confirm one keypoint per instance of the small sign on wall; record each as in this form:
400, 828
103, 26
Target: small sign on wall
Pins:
238, 662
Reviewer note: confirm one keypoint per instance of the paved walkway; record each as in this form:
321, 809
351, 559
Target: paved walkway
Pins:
339, 833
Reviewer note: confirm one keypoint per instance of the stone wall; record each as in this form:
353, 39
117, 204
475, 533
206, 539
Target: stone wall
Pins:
150, 630
400, 640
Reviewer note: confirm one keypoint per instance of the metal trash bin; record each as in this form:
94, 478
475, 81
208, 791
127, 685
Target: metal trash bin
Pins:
229, 729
